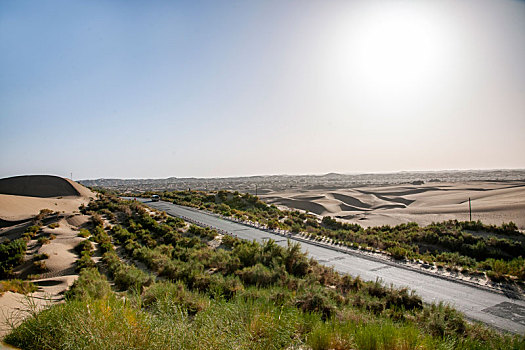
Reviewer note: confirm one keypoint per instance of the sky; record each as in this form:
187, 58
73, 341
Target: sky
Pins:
153, 89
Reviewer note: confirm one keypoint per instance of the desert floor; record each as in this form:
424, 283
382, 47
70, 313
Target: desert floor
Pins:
492, 202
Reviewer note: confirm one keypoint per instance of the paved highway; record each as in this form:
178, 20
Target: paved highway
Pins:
478, 304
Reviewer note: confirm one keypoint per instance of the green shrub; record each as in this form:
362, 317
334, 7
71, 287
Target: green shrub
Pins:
31, 232
11, 254
126, 276
174, 294
102, 238
442, 320
258, 275
89, 284
97, 220
85, 247
40, 266
316, 300
17, 286
43, 240
397, 252
84, 233
84, 262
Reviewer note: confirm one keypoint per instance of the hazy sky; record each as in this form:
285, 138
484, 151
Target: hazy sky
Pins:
223, 88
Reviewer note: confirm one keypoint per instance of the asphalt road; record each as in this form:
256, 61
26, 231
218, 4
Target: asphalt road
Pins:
478, 304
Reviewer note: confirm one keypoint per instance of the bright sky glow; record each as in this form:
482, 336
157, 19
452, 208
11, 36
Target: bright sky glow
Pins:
397, 55
157, 89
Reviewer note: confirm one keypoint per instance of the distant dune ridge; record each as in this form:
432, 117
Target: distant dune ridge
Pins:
492, 202
372, 199
22, 197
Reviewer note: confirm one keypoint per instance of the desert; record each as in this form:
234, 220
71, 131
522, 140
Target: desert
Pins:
122, 261
493, 202
262, 175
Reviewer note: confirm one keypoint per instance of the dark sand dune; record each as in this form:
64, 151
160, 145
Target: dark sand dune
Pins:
43, 186
311, 207
401, 200
390, 206
349, 200
346, 207
307, 198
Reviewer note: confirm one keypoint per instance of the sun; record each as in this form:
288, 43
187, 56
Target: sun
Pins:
398, 52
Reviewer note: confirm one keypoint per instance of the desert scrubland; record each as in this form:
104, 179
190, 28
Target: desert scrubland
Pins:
115, 273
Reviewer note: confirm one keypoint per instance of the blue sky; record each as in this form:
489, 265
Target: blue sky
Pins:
225, 88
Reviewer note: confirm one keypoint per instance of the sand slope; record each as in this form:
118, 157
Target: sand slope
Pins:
22, 197
59, 275
492, 202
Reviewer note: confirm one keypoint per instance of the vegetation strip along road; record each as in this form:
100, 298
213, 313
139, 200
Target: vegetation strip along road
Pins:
491, 308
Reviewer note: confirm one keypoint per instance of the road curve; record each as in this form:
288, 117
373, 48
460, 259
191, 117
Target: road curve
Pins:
494, 309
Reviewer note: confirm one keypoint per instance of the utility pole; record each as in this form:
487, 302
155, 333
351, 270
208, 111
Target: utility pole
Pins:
469, 209
71, 176
255, 190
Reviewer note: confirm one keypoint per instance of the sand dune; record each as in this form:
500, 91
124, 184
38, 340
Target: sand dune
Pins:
492, 202
15, 208
349, 200
41, 186
61, 252
22, 197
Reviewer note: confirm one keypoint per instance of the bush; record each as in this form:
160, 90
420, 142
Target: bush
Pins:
258, 275
17, 286
316, 300
102, 238
97, 220
174, 294
40, 266
85, 247
84, 262
31, 231
308, 305
89, 284
84, 233
442, 321
43, 240
126, 276
402, 298
11, 254
397, 252
44, 213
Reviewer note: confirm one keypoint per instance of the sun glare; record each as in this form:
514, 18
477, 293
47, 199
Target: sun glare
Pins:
398, 53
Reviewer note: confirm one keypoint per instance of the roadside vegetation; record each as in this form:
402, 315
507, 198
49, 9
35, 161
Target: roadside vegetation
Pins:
461, 247
161, 285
